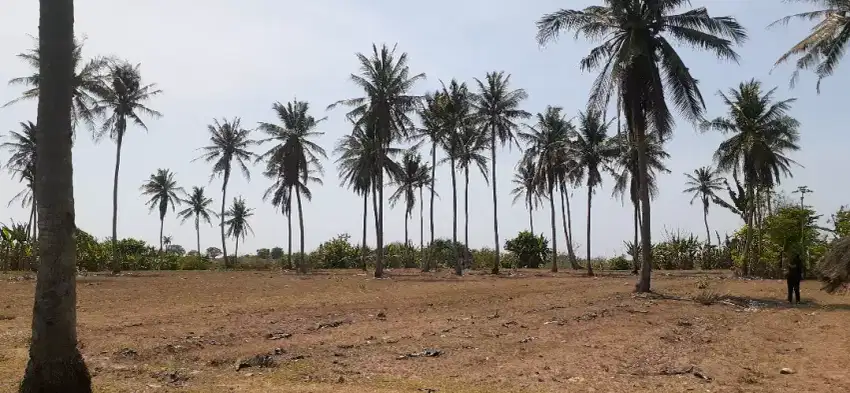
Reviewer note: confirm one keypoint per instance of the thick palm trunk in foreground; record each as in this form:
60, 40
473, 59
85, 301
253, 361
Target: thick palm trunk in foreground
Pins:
55, 363
221, 226
116, 262
635, 252
496, 262
589, 199
644, 283
554, 229
363, 248
302, 258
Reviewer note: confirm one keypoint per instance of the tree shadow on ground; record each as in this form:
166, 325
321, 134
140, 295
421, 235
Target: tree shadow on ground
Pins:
752, 302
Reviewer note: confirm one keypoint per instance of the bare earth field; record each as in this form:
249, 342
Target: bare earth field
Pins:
342, 331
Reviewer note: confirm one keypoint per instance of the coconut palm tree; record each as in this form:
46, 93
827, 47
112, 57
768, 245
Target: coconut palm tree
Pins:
760, 136
21, 164
825, 45
229, 142
280, 193
496, 108
198, 207
703, 184
237, 222
384, 108
633, 73
123, 101
89, 81
548, 148
294, 156
433, 131
527, 189
55, 363
413, 174
357, 164
593, 152
625, 172
163, 192
471, 145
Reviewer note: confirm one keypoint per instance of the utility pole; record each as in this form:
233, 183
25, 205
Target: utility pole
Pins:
803, 190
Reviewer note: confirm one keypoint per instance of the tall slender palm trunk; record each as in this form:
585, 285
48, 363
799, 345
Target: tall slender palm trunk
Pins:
554, 228
421, 228
379, 259
567, 220
496, 262
645, 281
466, 214
430, 261
289, 240
705, 221
198, 233
221, 225
161, 227
236, 250
302, 262
116, 259
55, 363
457, 262
636, 245
406, 234
530, 216
589, 199
363, 248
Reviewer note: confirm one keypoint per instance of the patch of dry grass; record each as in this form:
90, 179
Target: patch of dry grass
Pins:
344, 332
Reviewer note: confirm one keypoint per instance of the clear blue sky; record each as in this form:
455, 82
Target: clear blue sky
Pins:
227, 58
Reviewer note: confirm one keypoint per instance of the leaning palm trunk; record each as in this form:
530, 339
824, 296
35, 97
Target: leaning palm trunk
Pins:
55, 363
566, 218
430, 261
364, 249
223, 201
496, 261
705, 221
116, 259
589, 199
302, 261
458, 266
554, 228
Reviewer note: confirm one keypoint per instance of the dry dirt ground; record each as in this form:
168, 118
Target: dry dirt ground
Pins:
342, 331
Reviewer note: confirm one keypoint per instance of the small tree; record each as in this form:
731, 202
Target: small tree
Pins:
276, 253
213, 252
530, 250
263, 253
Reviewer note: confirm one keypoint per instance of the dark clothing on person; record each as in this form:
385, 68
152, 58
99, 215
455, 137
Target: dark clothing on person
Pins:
793, 277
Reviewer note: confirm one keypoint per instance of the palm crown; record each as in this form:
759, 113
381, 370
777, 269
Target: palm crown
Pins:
198, 206
237, 219
163, 191
228, 142
124, 99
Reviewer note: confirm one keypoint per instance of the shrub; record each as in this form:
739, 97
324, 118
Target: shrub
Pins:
619, 263
263, 253
442, 252
276, 253
337, 253
400, 255
194, 262
530, 250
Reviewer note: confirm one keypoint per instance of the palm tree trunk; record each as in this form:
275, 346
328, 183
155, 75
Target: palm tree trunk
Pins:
31, 223
236, 251
363, 247
745, 271
554, 228
705, 221
589, 199
430, 260
161, 226
221, 226
198, 233
55, 363
636, 245
289, 238
458, 266
466, 213
568, 231
406, 229
421, 228
116, 263
379, 259
530, 216
645, 281
496, 262
303, 260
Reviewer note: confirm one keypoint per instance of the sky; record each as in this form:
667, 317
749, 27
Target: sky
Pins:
228, 59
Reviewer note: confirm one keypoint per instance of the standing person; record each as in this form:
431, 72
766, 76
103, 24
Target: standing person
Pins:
794, 276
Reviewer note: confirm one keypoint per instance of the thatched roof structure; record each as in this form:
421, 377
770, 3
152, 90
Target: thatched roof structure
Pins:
834, 267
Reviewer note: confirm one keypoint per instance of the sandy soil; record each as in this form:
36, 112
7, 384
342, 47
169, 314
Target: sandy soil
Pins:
342, 331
